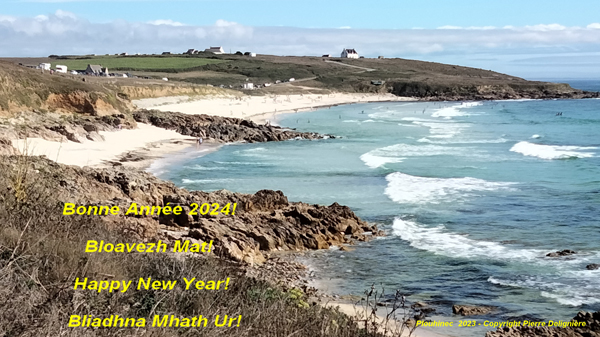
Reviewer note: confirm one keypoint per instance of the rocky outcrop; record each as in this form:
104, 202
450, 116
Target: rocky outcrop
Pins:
593, 266
439, 90
561, 253
585, 324
471, 310
263, 222
223, 129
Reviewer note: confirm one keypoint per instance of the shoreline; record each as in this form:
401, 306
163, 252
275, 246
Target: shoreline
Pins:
260, 108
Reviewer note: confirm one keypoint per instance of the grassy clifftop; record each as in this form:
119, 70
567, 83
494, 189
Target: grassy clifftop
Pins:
24, 89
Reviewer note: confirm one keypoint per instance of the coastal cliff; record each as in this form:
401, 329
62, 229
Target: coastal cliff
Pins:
477, 92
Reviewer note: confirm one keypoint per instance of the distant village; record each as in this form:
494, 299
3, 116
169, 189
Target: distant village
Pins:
99, 70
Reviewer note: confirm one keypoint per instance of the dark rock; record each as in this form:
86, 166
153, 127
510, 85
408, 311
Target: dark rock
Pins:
560, 253
221, 129
592, 266
585, 324
471, 310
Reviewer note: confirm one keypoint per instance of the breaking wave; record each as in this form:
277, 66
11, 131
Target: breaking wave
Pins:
553, 151
404, 188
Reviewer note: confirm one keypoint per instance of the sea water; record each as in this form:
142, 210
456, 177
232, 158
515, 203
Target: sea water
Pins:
472, 196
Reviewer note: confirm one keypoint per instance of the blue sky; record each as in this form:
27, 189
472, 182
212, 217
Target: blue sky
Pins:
532, 39
373, 14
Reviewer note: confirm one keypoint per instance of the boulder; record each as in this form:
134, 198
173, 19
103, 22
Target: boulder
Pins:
471, 310
565, 252
592, 266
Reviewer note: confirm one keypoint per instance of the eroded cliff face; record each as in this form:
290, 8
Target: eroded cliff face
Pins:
94, 104
264, 222
28, 90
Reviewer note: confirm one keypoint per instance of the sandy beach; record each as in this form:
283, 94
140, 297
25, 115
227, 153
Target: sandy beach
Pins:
154, 142
140, 147
260, 109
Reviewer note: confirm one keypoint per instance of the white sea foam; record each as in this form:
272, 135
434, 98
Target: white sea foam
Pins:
206, 168
553, 151
536, 136
404, 188
567, 291
440, 241
375, 161
454, 110
464, 141
204, 181
397, 153
442, 129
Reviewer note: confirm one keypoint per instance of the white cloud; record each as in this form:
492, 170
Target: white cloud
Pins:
449, 27
65, 33
166, 22
545, 28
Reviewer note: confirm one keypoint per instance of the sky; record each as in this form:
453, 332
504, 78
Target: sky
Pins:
532, 39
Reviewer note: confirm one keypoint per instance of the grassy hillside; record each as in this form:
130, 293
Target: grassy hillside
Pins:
135, 63
402, 77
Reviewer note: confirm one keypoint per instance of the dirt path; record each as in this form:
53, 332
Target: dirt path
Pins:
349, 65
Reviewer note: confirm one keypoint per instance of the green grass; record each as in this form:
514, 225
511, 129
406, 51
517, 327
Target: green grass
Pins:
137, 63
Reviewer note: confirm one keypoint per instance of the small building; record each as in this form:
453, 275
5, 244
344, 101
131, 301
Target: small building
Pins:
124, 54
327, 55
249, 86
252, 55
191, 52
166, 53
61, 69
215, 50
44, 66
380, 57
74, 72
292, 79
349, 54
96, 70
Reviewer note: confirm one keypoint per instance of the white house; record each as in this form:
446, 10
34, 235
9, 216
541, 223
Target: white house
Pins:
248, 86
61, 69
215, 50
349, 54
44, 66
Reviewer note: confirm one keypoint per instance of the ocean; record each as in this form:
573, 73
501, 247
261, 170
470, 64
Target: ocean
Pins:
472, 196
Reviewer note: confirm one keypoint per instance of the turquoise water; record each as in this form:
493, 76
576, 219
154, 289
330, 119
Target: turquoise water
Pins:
472, 196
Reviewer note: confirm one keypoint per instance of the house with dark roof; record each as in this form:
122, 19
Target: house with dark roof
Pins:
349, 53
96, 70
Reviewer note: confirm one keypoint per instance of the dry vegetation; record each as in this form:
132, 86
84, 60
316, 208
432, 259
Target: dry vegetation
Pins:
42, 253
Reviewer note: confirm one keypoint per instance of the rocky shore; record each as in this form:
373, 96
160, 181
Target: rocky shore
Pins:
585, 324
264, 222
481, 92
222, 129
